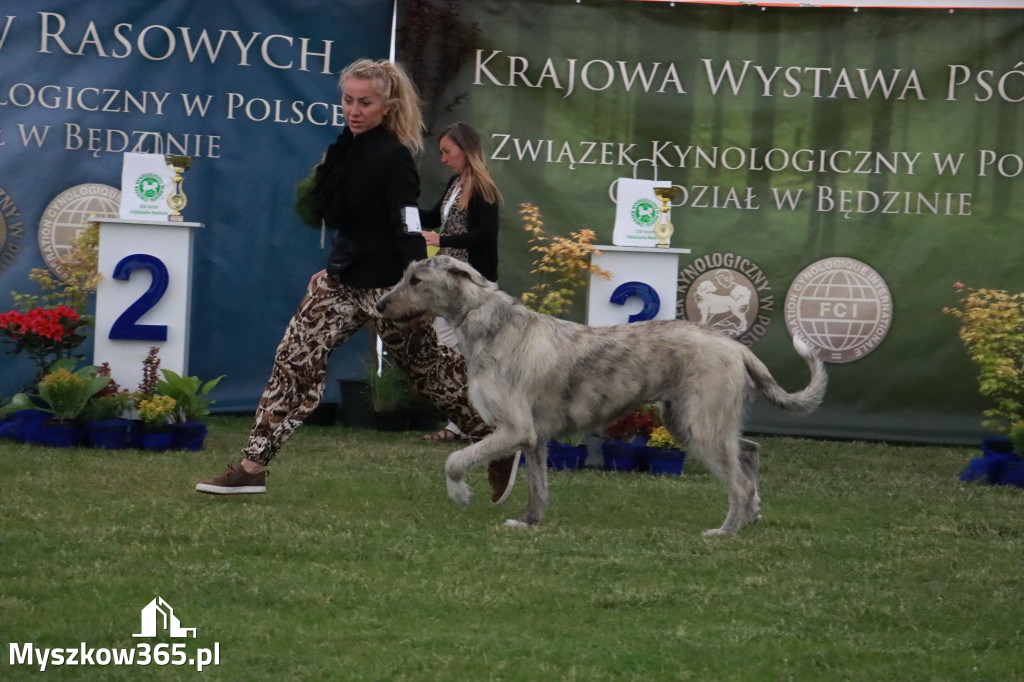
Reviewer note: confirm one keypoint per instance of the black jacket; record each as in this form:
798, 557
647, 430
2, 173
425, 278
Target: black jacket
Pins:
481, 238
361, 188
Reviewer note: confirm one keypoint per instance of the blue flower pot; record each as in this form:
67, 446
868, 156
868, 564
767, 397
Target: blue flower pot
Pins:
189, 435
622, 456
10, 429
60, 434
155, 439
998, 464
391, 421
1013, 474
996, 445
109, 434
28, 424
565, 457
665, 462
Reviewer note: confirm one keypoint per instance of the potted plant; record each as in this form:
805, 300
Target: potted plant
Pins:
388, 391
355, 403
568, 455
624, 450
46, 335
663, 454
562, 265
191, 405
105, 424
22, 423
63, 395
992, 331
155, 413
49, 327
104, 415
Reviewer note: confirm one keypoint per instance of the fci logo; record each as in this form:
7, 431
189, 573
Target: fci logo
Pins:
842, 306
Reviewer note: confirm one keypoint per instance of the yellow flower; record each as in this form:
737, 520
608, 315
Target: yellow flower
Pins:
156, 410
661, 438
60, 379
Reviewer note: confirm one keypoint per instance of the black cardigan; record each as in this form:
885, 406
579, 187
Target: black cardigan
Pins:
481, 238
361, 188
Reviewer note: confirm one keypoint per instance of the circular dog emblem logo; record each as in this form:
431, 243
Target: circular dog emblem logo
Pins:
149, 187
644, 212
841, 306
68, 214
728, 293
12, 230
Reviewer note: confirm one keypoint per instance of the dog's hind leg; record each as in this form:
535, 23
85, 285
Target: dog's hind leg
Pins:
713, 438
537, 501
495, 445
723, 460
750, 463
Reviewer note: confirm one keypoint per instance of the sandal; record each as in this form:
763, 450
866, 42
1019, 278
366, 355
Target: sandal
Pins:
443, 435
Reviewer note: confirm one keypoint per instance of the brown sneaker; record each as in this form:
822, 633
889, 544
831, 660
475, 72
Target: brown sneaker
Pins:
235, 481
501, 474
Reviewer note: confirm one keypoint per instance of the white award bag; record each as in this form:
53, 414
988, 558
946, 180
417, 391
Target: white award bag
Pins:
636, 210
146, 180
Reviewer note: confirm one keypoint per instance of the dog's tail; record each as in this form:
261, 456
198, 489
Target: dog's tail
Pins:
801, 402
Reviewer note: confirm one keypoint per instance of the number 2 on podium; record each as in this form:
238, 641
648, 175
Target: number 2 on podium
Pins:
127, 325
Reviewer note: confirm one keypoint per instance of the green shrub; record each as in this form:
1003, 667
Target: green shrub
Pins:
189, 395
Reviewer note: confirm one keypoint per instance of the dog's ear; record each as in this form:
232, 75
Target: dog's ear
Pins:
460, 270
460, 273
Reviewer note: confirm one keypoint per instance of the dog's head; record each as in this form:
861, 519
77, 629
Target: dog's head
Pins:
439, 286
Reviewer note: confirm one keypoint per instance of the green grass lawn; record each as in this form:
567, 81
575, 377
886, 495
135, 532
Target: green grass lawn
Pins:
873, 562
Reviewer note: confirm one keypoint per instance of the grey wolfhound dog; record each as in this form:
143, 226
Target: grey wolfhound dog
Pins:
533, 377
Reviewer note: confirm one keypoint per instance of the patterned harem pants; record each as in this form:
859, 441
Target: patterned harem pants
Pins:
325, 319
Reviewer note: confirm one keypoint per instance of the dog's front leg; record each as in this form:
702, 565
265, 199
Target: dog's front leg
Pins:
498, 443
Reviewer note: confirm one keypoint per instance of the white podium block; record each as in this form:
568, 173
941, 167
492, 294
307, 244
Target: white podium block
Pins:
642, 287
144, 295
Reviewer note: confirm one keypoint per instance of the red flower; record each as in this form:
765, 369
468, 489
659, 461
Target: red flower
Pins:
42, 332
637, 423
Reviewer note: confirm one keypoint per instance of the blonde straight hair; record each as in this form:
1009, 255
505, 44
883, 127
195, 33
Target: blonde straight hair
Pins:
404, 119
476, 179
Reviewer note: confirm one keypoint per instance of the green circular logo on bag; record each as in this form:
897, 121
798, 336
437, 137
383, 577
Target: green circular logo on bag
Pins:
644, 212
149, 187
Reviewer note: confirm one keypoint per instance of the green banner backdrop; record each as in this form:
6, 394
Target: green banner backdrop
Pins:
846, 167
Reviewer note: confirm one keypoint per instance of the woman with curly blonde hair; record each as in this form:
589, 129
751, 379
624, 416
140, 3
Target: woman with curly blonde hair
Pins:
404, 118
364, 189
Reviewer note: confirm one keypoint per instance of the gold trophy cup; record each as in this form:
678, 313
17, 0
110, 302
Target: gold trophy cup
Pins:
177, 199
663, 229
